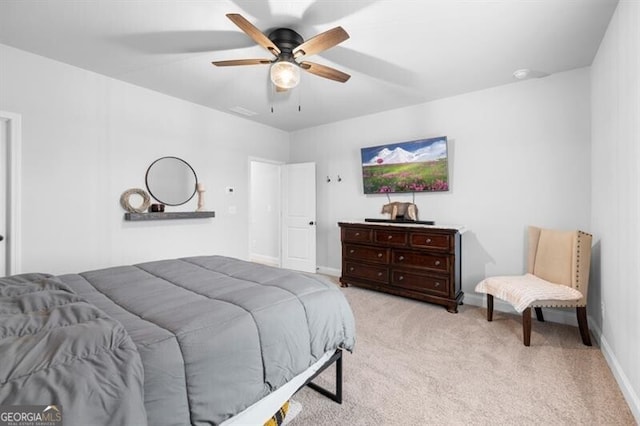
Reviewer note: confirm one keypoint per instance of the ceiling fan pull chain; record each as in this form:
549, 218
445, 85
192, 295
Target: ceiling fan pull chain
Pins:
271, 96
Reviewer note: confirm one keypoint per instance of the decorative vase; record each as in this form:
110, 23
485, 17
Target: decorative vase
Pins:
200, 189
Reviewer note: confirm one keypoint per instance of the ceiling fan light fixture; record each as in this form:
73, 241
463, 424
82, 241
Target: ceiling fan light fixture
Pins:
285, 74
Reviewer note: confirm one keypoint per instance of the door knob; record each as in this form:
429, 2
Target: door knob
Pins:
1, 238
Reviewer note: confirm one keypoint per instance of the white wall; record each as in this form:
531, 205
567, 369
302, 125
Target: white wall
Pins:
519, 155
87, 138
615, 86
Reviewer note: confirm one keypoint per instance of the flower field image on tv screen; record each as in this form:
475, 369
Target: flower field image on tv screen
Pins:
415, 166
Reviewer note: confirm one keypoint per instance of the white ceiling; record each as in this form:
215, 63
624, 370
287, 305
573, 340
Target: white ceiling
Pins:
401, 52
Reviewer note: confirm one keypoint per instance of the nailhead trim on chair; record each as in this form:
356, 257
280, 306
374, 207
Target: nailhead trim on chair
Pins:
578, 252
557, 306
578, 261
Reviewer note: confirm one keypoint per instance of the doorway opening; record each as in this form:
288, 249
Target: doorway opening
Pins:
265, 200
10, 151
282, 214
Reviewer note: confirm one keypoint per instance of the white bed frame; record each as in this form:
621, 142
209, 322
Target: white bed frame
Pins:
263, 410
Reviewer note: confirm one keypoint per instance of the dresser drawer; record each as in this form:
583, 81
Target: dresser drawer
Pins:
431, 241
356, 235
419, 262
391, 238
419, 282
371, 254
435, 262
373, 273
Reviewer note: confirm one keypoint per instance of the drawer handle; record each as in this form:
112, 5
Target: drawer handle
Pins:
352, 269
401, 277
357, 234
437, 262
428, 240
401, 258
437, 284
352, 251
379, 274
379, 254
389, 237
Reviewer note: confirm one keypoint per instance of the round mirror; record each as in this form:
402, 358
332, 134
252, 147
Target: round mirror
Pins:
171, 181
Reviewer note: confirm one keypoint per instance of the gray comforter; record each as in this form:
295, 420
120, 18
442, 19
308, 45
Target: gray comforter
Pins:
57, 349
217, 334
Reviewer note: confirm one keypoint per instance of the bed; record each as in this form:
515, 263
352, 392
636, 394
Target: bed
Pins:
198, 340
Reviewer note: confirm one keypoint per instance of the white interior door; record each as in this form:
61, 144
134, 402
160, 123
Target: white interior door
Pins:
299, 217
4, 178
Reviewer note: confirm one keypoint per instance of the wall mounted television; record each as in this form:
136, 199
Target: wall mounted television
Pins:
412, 166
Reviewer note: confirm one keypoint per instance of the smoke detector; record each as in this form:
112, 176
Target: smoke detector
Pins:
521, 74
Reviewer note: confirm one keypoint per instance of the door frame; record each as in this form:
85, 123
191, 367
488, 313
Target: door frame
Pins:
14, 192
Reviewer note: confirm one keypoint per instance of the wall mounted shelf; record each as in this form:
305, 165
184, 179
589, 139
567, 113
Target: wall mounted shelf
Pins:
168, 215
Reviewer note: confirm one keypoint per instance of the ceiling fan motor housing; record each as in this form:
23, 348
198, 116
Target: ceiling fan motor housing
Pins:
286, 39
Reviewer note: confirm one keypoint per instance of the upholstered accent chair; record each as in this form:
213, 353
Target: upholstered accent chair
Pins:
557, 276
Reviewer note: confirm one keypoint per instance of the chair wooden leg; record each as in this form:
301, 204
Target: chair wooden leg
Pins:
526, 326
581, 311
489, 307
539, 315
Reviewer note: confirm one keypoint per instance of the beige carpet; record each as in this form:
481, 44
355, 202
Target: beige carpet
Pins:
416, 364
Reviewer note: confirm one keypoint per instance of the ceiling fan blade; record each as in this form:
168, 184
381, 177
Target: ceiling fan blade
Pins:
320, 42
253, 32
325, 71
234, 62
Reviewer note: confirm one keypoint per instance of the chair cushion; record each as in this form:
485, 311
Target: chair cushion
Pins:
523, 290
554, 256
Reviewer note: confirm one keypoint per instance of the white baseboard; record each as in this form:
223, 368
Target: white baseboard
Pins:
329, 271
265, 260
623, 381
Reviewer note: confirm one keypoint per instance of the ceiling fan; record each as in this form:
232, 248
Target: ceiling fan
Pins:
288, 48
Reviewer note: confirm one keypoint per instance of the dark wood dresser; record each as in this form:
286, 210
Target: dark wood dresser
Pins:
420, 262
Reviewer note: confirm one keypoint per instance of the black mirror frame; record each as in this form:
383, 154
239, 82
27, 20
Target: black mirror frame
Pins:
146, 181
